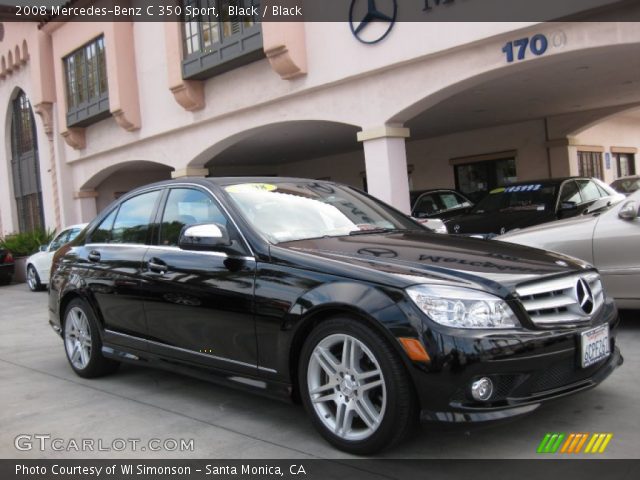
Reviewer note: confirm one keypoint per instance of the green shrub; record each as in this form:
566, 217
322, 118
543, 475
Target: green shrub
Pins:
26, 243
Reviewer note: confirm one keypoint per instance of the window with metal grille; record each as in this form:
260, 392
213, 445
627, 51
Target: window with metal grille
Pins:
86, 83
590, 164
25, 166
215, 41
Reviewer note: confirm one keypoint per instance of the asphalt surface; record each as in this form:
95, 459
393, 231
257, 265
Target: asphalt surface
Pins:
40, 394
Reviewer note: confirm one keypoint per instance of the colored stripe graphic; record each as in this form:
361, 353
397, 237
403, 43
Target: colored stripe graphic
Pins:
573, 443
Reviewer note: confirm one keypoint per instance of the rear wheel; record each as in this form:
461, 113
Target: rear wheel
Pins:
33, 279
355, 387
82, 342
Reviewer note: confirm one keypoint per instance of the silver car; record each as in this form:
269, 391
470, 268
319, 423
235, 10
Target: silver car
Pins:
608, 237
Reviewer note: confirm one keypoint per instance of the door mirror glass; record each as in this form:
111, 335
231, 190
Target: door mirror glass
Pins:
207, 236
629, 211
43, 248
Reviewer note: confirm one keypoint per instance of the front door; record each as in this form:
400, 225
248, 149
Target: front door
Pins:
199, 304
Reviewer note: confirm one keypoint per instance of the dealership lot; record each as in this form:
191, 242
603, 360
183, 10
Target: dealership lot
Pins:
41, 395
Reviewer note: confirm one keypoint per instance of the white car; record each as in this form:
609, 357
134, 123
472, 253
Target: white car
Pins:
607, 237
38, 265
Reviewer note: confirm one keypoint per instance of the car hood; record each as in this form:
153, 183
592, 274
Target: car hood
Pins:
422, 257
499, 222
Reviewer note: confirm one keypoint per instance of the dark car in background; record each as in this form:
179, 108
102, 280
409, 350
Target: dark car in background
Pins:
440, 203
7, 267
313, 291
525, 204
627, 185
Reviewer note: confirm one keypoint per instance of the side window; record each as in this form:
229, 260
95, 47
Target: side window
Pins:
186, 206
134, 217
102, 234
589, 191
570, 193
73, 234
59, 241
451, 200
427, 205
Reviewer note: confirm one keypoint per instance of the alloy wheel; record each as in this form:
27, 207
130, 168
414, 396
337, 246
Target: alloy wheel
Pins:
32, 279
77, 338
346, 387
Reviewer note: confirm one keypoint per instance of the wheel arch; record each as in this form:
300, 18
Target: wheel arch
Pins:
321, 313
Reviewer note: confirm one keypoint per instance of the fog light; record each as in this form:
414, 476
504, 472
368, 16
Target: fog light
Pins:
482, 389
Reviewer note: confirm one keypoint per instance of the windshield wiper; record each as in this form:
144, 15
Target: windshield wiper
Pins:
373, 231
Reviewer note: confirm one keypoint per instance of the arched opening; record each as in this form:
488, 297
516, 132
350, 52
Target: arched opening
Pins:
308, 148
25, 165
527, 121
114, 181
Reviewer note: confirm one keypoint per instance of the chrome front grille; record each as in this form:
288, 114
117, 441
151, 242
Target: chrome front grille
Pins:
566, 300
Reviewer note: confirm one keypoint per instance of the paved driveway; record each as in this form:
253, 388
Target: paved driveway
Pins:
41, 395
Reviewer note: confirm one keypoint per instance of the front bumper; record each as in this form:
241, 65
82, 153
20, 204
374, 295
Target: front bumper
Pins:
526, 368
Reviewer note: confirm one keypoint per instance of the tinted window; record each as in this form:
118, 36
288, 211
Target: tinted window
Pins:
187, 207
102, 234
524, 197
452, 200
73, 234
133, 220
427, 205
589, 191
570, 193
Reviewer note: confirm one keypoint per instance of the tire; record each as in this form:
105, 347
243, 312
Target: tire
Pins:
33, 279
82, 341
377, 409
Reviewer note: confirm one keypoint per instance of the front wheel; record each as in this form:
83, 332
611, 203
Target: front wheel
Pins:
82, 342
355, 387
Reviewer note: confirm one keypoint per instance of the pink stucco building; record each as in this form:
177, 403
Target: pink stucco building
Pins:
92, 110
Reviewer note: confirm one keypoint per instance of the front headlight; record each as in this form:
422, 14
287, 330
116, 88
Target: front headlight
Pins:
462, 307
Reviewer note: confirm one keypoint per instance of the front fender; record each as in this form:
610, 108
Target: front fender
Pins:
381, 307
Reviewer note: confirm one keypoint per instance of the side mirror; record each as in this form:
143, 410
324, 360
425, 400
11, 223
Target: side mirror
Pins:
43, 248
206, 236
629, 211
568, 206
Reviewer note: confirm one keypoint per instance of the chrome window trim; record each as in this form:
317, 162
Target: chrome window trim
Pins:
170, 248
186, 350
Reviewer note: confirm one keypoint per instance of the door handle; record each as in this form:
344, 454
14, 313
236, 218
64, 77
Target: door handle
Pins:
157, 266
94, 256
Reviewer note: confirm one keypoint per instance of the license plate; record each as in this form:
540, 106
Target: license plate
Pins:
595, 345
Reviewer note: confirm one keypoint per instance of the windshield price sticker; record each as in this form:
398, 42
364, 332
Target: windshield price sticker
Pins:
523, 188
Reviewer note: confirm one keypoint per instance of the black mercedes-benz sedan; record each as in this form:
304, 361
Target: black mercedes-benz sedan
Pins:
525, 204
316, 292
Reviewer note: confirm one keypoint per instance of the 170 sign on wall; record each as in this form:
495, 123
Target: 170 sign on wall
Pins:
521, 48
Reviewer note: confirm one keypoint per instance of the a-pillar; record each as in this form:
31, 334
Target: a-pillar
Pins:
386, 164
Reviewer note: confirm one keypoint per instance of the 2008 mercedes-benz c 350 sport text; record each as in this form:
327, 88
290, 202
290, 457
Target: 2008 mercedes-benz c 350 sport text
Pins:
317, 292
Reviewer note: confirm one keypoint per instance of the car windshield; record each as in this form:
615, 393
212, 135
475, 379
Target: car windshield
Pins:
287, 211
626, 185
518, 198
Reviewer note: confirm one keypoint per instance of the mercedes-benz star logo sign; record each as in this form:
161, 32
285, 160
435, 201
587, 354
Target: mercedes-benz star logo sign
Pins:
584, 296
373, 14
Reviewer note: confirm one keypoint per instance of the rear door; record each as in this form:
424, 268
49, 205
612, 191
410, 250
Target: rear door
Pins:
112, 257
199, 304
